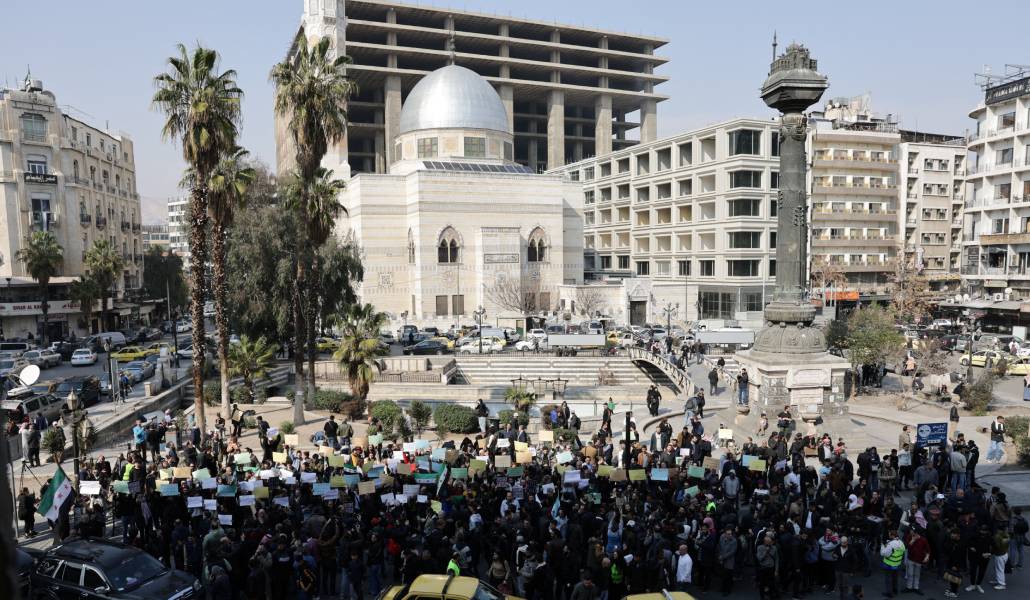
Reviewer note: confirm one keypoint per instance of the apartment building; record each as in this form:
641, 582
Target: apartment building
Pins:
73, 179
178, 229
996, 256
686, 223
932, 194
570, 92
155, 236
854, 196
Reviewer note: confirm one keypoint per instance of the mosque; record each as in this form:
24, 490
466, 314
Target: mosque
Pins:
456, 225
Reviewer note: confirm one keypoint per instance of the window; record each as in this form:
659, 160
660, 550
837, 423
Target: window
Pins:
623, 263
411, 248
746, 179
744, 208
717, 305
427, 148
40, 204
75, 169
92, 580
458, 304
742, 268
89, 139
588, 174
775, 143
537, 251
745, 141
606, 263
745, 239
687, 186
772, 267
643, 267
33, 127
441, 306
772, 240
475, 147
71, 573
774, 180
707, 268
529, 301
508, 151
448, 249
1007, 120
684, 268
36, 164
773, 208
1004, 156
752, 301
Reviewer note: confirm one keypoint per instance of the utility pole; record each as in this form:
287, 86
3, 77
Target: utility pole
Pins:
175, 330
625, 452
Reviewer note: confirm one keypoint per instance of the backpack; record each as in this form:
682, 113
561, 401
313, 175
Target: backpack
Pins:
1020, 526
700, 401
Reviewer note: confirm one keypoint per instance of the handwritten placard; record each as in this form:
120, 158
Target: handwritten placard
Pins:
291, 439
502, 461
546, 435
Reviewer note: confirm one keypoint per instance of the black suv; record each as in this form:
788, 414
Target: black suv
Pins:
95, 569
86, 387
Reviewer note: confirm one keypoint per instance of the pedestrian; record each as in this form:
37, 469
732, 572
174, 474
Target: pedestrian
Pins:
713, 380
682, 568
482, 412
701, 402
892, 552
917, 556
27, 511
34, 440
996, 449
1000, 552
331, 429
742, 387
727, 557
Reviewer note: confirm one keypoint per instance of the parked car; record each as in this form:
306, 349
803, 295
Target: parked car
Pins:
30, 404
426, 347
387, 337
65, 349
83, 357
324, 344
443, 587
537, 334
114, 339
183, 326
527, 345
155, 348
97, 569
980, 358
44, 359
141, 368
86, 387
432, 331
16, 348
130, 353
406, 333
12, 366
105, 384
488, 346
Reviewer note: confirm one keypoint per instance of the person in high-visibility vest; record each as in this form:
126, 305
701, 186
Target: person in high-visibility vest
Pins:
453, 567
893, 553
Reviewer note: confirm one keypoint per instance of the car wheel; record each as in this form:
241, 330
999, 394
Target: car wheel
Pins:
439, 352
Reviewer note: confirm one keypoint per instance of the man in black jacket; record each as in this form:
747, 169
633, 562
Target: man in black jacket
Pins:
848, 564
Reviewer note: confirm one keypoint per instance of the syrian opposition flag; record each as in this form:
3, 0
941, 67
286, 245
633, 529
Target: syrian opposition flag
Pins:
59, 492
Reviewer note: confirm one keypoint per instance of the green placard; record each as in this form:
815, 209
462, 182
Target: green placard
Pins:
637, 475
120, 487
692, 491
424, 477
604, 471
696, 472
201, 474
459, 473
477, 465
515, 471
243, 458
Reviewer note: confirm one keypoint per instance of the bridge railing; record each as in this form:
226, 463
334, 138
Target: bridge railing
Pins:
677, 375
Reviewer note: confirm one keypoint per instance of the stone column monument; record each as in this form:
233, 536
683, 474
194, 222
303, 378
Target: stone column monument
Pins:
789, 363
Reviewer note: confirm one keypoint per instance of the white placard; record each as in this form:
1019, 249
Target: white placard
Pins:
209, 484
210, 504
247, 500
333, 494
503, 443
422, 499
267, 473
308, 477
281, 501
285, 474
273, 431
411, 490
225, 519
401, 499
246, 486
194, 502
89, 488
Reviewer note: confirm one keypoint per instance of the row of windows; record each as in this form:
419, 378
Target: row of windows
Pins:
706, 267
474, 147
448, 247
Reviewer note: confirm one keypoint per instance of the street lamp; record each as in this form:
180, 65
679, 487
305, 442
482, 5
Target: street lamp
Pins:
519, 385
558, 388
75, 414
479, 314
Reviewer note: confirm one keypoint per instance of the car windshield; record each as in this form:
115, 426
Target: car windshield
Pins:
133, 571
485, 592
6, 364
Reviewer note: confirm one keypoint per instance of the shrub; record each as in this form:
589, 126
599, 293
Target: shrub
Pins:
330, 400
545, 414
354, 408
565, 436
519, 400
53, 442
506, 416
1017, 428
249, 422
454, 418
386, 412
286, 427
212, 395
420, 414
978, 396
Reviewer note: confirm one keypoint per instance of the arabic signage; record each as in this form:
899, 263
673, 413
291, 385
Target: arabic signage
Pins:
13, 309
931, 434
494, 259
40, 178
1003, 92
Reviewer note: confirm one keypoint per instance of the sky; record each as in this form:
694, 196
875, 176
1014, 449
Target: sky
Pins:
915, 57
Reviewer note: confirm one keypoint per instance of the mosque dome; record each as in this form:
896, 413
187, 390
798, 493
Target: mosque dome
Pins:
453, 97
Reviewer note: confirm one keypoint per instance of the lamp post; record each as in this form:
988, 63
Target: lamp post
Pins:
519, 385
75, 414
479, 314
670, 309
1, 320
558, 388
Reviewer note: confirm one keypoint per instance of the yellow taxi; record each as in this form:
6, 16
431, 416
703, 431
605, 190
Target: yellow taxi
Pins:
156, 348
446, 341
445, 587
980, 358
1019, 365
130, 353
327, 344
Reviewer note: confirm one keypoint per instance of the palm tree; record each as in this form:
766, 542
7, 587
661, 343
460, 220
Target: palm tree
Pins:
251, 359
360, 346
202, 111
311, 88
227, 193
85, 292
42, 256
319, 201
104, 264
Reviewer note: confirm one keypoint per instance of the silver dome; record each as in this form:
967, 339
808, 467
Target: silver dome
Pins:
453, 97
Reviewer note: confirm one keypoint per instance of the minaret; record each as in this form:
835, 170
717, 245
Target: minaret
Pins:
327, 18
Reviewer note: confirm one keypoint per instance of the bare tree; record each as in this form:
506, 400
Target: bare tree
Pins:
910, 294
590, 300
515, 293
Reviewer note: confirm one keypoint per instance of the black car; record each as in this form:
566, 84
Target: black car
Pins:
86, 387
25, 561
96, 569
65, 349
426, 347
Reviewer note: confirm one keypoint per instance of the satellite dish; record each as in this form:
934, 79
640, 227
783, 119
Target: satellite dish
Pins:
29, 375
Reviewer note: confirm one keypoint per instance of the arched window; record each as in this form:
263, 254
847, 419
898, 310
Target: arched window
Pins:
448, 249
411, 248
537, 251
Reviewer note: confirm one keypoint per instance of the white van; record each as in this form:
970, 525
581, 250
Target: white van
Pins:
115, 338
15, 348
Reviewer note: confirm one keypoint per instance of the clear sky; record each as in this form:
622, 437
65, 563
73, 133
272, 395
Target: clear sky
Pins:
916, 57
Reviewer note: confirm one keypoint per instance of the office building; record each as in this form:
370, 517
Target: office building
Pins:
179, 229
569, 92
686, 223
155, 236
61, 174
996, 254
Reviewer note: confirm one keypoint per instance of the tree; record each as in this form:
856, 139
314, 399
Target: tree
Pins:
164, 276
420, 415
933, 360
910, 293
360, 346
872, 338
514, 293
318, 201
85, 292
590, 300
42, 257
104, 264
250, 359
202, 112
311, 90
227, 193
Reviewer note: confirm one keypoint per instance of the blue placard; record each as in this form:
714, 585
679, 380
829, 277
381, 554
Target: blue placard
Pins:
320, 489
351, 480
226, 491
659, 474
170, 489
931, 434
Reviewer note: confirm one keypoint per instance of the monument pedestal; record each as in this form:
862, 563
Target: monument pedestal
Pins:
811, 383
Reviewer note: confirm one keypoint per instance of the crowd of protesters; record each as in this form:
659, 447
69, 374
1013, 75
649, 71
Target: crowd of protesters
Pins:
581, 517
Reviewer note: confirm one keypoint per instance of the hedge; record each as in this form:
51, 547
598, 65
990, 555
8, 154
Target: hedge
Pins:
454, 418
506, 416
545, 414
387, 412
1017, 428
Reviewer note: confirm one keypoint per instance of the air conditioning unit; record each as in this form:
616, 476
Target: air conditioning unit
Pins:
998, 297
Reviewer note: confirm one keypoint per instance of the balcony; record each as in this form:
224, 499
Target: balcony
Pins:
851, 241
137, 258
988, 239
824, 187
126, 257
85, 220
125, 226
136, 228
101, 222
866, 266
856, 214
